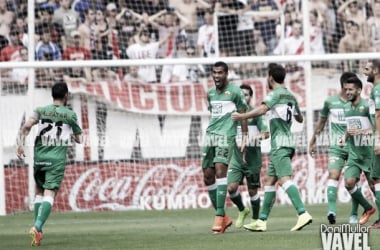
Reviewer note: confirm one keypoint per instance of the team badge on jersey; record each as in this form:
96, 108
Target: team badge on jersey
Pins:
227, 93
361, 109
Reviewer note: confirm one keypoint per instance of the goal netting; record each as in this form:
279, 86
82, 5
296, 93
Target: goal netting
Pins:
144, 120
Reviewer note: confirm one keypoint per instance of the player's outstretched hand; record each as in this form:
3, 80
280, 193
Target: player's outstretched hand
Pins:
20, 152
235, 116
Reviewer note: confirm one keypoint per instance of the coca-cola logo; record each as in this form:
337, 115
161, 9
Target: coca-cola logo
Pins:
167, 186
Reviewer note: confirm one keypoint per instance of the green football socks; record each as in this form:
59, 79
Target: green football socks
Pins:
43, 214
269, 198
221, 192
255, 204
212, 194
294, 196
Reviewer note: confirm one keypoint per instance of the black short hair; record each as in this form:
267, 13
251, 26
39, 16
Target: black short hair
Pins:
59, 90
247, 87
345, 76
356, 81
376, 64
277, 72
222, 64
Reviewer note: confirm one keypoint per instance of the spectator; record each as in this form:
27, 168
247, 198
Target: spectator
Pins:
11, 52
316, 34
125, 26
227, 26
67, 18
267, 25
187, 73
180, 52
189, 9
6, 18
292, 45
352, 42
46, 50
373, 28
21, 24
284, 30
101, 27
77, 52
102, 51
111, 15
206, 39
168, 30
326, 15
57, 34
87, 33
133, 76
294, 10
16, 75
146, 50
350, 11
81, 6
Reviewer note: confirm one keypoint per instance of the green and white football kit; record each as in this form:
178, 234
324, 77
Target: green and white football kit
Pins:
333, 109
55, 126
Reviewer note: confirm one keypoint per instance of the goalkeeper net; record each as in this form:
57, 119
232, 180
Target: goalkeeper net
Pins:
144, 120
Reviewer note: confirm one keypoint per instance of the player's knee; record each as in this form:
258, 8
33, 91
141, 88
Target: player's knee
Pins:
232, 188
208, 180
252, 192
350, 183
334, 175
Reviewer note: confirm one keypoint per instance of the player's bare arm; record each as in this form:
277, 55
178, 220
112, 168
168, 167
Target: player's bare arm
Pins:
377, 133
260, 110
299, 118
318, 129
78, 138
244, 132
24, 131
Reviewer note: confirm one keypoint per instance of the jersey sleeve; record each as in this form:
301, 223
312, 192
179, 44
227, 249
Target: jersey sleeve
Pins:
271, 99
376, 98
325, 110
74, 125
261, 124
36, 114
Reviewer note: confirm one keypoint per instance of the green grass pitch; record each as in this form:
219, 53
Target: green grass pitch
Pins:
170, 229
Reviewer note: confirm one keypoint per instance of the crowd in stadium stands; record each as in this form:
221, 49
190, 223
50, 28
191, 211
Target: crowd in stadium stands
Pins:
142, 29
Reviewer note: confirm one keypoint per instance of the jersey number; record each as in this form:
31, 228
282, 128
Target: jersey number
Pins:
49, 125
289, 112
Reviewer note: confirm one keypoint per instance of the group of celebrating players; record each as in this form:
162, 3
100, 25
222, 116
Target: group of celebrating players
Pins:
235, 155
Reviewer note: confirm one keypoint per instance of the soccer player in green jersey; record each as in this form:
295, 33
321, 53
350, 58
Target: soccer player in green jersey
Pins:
333, 111
359, 141
250, 168
56, 126
223, 99
372, 71
283, 106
